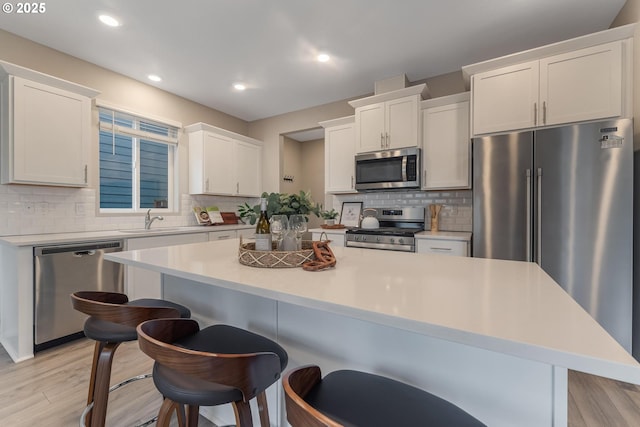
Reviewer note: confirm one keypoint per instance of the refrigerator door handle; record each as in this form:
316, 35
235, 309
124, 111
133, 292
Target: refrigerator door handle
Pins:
528, 224
539, 225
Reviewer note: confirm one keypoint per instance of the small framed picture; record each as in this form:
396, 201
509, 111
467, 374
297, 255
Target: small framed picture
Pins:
350, 214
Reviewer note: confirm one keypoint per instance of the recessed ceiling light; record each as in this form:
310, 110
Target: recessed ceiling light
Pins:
239, 86
323, 57
109, 20
154, 78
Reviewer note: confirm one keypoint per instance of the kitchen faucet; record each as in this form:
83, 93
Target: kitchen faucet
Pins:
148, 220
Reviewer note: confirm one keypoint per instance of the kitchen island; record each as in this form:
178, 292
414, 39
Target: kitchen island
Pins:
494, 337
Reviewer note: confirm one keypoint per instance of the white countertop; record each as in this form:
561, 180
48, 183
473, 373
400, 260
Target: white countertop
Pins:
55, 238
509, 307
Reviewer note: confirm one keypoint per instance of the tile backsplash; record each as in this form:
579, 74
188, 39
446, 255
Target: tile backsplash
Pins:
456, 213
31, 209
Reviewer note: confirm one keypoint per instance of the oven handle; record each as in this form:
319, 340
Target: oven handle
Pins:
370, 245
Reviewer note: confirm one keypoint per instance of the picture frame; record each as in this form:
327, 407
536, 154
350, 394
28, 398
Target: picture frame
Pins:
350, 214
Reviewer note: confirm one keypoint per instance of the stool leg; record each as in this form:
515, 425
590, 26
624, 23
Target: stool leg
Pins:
99, 383
263, 410
193, 412
243, 414
164, 415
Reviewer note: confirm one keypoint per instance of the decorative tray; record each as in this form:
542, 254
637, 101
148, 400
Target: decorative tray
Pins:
248, 255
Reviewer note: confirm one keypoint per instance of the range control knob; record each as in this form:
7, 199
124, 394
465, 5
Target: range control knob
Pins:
400, 240
392, 240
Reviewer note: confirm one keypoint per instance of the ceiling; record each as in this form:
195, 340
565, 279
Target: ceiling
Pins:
201, 47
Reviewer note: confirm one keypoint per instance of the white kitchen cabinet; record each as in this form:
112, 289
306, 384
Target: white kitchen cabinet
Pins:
446, 143
442, 247
584, 84
339, 155
143, 283
222, 235
389, 120
45, 129
223, 162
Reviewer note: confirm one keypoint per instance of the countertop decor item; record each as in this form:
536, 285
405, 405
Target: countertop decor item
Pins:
434, 210
281, 204
248, 255
350, 214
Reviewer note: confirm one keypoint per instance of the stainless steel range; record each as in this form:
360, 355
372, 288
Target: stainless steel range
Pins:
396, 231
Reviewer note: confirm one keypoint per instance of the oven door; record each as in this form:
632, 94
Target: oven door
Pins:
388, 170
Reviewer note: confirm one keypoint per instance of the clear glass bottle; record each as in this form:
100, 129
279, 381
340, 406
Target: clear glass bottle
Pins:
263, 230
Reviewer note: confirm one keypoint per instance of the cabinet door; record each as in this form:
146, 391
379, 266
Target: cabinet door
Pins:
370, 130
51, 134
143, 283
339, 159
442, 247
249, 169
219, 164
582, 85
505, 99
446, 145
402, 121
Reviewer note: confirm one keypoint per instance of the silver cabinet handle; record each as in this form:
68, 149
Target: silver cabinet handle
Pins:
206, 185
535, 114
387, 139
544, 112
381, 140
528, 222
85, 174
539, 217
237, 187
352, 186
433, 248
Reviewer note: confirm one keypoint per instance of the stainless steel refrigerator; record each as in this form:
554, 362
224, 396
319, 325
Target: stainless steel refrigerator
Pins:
563, 198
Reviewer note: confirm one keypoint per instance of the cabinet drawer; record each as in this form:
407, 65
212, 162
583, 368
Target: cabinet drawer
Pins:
222, 235
443, 247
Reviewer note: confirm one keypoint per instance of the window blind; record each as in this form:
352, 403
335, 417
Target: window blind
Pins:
122, 123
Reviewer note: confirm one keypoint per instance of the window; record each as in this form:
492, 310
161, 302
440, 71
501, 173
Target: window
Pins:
137, 159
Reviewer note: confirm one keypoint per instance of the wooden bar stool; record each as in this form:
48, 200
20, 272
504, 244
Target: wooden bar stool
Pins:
358, 399
112, 320
216, 365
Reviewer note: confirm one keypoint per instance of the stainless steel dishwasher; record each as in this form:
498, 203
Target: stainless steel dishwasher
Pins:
61, 270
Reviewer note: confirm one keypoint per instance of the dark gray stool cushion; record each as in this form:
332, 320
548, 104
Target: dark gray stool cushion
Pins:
101, 330
213, 339
360, 399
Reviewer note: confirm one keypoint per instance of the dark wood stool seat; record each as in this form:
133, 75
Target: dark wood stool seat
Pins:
359, 399
112, 320
216, 365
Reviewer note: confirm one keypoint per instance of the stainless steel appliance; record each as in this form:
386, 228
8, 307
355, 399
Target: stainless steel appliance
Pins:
61, 270
388, 170
563, 198
396, 231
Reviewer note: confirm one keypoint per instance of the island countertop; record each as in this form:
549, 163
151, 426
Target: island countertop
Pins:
509, 307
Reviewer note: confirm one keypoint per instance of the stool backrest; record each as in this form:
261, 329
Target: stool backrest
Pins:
112, 307
297, 383
250, 373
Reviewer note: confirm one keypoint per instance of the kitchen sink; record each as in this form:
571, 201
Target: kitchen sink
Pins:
151, 230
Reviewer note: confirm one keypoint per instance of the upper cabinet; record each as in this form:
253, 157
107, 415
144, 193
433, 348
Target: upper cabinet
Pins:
223, 162
45, 128
579, 84
339, 155
446, 143
389, 120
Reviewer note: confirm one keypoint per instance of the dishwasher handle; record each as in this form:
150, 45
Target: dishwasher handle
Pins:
80, 254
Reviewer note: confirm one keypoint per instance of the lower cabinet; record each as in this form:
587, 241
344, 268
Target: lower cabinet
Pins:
231, 234
142, 283
443, 247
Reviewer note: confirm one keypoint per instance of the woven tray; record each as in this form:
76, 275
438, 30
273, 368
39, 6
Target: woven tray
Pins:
248, 255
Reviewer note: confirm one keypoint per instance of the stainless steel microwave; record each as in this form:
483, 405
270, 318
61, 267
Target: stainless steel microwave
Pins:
388, 170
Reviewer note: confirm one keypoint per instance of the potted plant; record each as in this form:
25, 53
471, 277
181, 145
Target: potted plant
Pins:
329, 216
280, 204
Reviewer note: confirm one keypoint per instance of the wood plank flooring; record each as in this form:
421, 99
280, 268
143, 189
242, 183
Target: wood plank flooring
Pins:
51, 390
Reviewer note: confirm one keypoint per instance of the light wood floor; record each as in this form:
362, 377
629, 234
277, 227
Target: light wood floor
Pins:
51, 390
